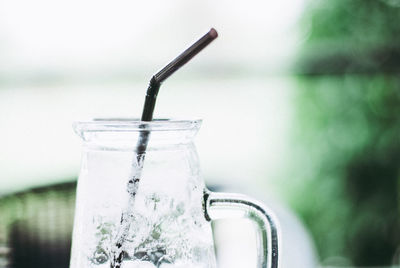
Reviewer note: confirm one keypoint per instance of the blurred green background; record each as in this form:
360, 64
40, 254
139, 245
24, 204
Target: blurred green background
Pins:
313, 87
347, 136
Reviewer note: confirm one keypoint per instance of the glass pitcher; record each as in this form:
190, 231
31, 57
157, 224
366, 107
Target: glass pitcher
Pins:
149, 207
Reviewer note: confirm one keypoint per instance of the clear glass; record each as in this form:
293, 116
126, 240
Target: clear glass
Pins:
163, 220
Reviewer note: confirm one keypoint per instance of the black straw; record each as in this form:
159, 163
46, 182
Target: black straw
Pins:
141, 146
169, 69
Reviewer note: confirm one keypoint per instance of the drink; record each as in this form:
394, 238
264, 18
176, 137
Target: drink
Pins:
167, 223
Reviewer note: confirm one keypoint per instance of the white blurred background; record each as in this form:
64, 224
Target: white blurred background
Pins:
62, 61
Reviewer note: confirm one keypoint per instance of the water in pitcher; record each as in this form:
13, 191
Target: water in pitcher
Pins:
170, 238
166, 222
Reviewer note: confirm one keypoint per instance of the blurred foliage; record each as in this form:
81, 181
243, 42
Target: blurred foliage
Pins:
347, 135
347, 165
360, 36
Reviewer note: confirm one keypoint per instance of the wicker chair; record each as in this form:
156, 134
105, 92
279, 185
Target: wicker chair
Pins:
36, 226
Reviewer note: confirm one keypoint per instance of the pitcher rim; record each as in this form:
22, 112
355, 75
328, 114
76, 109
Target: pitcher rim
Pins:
135, 124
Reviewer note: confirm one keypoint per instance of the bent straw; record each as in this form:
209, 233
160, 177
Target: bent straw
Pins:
141, 146
169, 69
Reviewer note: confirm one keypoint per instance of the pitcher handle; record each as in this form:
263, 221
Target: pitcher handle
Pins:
227, 205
